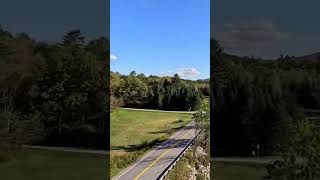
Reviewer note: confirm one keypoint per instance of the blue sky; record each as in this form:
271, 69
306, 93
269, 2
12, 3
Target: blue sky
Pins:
161, 37
267, 28
49, 20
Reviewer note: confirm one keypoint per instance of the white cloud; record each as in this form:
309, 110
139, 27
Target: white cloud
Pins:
168, 73
185, 73
188, 72
259, 34
113, 57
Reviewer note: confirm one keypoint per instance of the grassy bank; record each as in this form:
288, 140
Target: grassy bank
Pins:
182, 171
134, 132
235, 171
36, 164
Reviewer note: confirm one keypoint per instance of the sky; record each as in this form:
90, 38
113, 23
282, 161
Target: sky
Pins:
49, 20
161, 37
267, 28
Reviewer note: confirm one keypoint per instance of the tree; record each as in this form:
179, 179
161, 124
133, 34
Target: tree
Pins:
300, 157
133, 90
55, 89
202, 116
133, 73
176, 78
100, 48
73, 38
202, 123
168, 93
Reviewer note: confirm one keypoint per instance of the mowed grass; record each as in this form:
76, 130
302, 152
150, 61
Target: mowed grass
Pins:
36, 164
236, 171
130, 129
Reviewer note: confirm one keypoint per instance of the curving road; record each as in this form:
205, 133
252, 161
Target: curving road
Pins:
154, 163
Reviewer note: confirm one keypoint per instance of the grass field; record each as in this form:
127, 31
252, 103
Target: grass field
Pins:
36, 164
236, 171
131, 131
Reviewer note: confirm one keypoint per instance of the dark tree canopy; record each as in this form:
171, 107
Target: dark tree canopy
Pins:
257, 101
58, 88
167, 93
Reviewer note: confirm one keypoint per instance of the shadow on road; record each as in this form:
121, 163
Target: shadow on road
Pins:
175, 143
172, 130
170, 143
137, 147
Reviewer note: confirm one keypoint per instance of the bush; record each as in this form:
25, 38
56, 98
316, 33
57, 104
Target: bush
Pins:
122, 161
201, 176
301, 157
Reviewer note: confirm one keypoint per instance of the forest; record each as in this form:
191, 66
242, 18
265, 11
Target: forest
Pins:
154, 92
57, 94
53, 93
259, 101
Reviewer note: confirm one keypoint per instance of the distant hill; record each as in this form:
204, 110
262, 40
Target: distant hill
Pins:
310, 57
203, 80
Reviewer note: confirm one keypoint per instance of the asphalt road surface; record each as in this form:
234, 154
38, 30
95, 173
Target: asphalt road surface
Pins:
155, 162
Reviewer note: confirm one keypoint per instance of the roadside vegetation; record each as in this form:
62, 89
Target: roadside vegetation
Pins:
259, 110
133, 133
183, 168
195, 164
300, 157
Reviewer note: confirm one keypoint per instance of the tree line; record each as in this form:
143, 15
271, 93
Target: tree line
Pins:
154, 92
54, 93
258, 101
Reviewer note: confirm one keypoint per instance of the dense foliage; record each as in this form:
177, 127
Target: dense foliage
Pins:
258, 101
202, 116
300, 157
56, 90
153, 92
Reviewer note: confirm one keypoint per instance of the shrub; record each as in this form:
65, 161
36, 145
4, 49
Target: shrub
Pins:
301, 157
201, 176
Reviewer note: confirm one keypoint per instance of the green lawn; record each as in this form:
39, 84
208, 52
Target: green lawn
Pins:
236, 171
36, 164
130, 129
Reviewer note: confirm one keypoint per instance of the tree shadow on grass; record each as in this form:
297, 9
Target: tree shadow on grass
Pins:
143, 146
177, 121
155, 143
165, 144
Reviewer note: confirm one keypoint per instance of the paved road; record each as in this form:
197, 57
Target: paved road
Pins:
154, 163
67, 149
